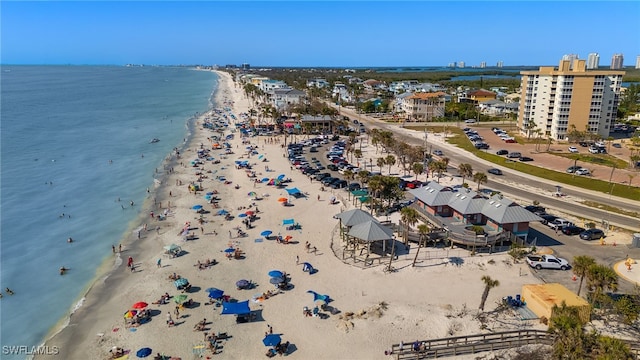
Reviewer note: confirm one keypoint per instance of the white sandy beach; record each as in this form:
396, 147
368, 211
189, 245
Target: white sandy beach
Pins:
432, 300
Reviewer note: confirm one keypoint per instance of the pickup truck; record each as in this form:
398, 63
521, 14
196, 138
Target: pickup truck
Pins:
547, 262
559, 223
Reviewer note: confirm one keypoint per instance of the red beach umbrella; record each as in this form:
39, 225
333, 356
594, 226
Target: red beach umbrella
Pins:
249, 213
140, 305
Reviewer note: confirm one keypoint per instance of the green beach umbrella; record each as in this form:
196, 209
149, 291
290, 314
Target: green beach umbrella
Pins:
179, 299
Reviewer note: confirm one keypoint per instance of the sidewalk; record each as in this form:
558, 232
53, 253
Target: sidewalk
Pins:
633, 275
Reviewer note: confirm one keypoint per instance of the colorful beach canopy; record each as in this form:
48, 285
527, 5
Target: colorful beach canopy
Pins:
237, 308
181, 282
140, 305
179, 299
196, 207
222, 212
288, 222
144, 352
215, 293
293, 191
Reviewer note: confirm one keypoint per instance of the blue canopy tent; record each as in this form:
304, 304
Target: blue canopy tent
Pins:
237, 308
319, 297
293, 191
288, 222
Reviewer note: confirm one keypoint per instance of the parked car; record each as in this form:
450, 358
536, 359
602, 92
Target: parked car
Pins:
354, 186
495, 171
502, 152
319, 177
591, 234
573, 149
583, 171
339, 184
525, 158
332, 167
559, 223
572, 230
437, 152
547, 218
470, 121
328, 180
510, 140
536, 209
572, 169
481, 145
540, 262
514, 155
616, 145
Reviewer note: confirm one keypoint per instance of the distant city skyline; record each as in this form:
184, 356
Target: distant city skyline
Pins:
321, 34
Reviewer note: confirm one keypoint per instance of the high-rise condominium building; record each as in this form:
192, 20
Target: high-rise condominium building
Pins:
572, 58
554, 100
461, 64
483, 64
500, 64
593, 61
638, 62
617, 61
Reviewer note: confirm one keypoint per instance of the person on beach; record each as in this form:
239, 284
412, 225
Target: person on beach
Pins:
113, 248
130, 262
120, 248
169, 319
159, 263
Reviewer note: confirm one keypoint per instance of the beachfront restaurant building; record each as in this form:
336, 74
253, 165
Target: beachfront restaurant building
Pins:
462, 211
320, 123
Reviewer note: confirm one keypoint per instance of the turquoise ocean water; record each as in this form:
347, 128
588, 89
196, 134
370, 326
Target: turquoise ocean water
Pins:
74, 140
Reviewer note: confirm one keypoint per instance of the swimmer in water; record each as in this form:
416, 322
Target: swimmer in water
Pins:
8, 291
69, 240
63, 270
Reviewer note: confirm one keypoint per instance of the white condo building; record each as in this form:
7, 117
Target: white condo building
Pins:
617, 61
593, 61
554, 99
638, 62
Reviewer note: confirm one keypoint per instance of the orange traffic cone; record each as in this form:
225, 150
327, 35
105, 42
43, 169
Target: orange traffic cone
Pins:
574, 277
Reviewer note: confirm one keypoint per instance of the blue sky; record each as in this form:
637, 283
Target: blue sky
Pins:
303, 33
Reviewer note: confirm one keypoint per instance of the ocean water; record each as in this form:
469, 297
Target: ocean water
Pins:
74, 140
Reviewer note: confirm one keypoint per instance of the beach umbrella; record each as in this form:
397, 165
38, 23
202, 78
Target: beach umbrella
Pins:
181, 282
242, 215
276, 280
179, 299
208, 197
249, 213
281, 176
260, 157
265, 179
253, 193
320, 302
271, 340
209, 193
241, 284
144, 352
266, 233
229, 250
282, 199
222, 212
140, 305
129, 314
215, 293
196, 207
276, 273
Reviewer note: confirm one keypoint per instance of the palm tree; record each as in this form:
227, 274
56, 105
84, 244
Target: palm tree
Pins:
418, 168
566, 325
609, 348
358, 154
390, 160
581, 265
363, 176
380, 162
409, 217
423, 230
480, 178
465, 170
489, 284
349, 175
599, 279
375, 185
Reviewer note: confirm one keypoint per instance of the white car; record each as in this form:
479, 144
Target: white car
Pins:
573, 149
437, 152
540, 262
583, 171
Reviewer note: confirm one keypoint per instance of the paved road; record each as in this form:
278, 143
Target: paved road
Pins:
527, 187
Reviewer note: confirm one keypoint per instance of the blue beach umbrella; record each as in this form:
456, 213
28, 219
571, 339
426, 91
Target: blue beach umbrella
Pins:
266, 233
208, 197
271, 340
196, 207
215, 293
276, 280
229, 250
260, 157
276, 273
265, 179
222, 212
144, 352
281, 176
209, 193
181, 282
242, 215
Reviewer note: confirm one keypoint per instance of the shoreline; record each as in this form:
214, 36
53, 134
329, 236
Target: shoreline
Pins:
426, 301
111, 262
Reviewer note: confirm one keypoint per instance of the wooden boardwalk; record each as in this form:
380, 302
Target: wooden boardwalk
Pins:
471, 344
